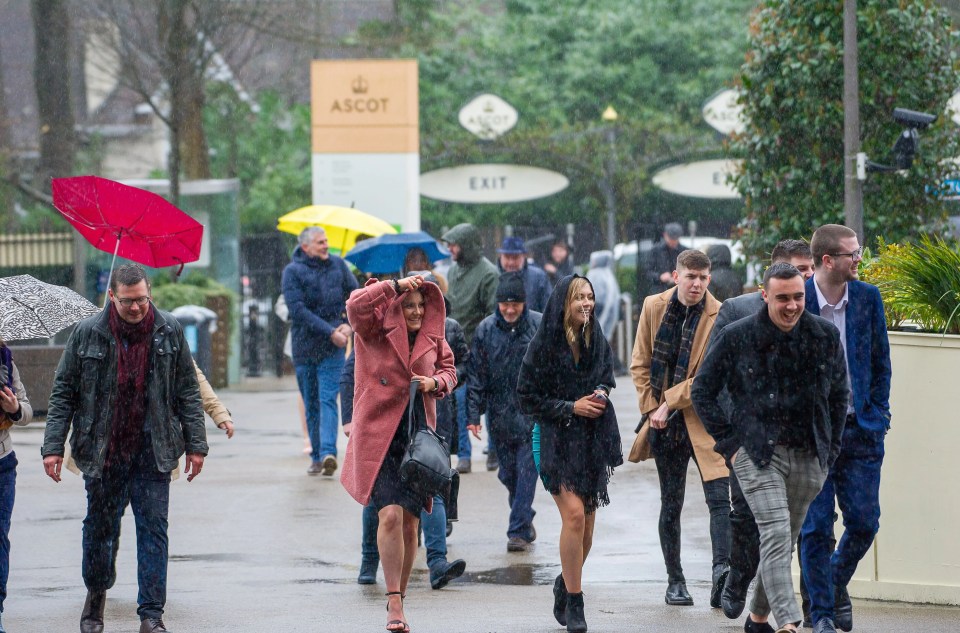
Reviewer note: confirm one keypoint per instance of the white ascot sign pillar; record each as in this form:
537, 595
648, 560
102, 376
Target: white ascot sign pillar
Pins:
366, 137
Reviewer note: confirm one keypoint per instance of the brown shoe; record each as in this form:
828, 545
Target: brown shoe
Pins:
328, 465
517, 544
91, 620
315, 468
153, 625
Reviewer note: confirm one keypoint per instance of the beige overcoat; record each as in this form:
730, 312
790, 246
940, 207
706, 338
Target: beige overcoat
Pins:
677, 397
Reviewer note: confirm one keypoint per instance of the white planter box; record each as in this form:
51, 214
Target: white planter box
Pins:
916, 556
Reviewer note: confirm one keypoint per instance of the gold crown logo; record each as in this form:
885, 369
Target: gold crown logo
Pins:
360, 85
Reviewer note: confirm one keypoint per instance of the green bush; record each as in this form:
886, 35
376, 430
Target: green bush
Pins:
193, 289
919, 283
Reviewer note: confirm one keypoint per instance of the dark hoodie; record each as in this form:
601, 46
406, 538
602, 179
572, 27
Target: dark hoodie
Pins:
495, 359
472, 280
724, 281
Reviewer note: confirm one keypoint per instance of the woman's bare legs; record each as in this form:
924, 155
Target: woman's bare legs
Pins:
576, 537
397, 542
307, 447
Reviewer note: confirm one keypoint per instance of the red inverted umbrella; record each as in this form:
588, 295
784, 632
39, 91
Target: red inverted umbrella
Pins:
127, 221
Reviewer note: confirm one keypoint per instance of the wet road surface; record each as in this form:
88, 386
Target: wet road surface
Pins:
256, 544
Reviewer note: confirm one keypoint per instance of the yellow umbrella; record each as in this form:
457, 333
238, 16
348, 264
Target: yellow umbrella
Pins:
342, 224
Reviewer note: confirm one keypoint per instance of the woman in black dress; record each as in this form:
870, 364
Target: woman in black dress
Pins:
564, 385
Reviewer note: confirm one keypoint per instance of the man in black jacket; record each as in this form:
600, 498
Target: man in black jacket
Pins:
127, 385
744, 537
662, 260
496, 355
786, 375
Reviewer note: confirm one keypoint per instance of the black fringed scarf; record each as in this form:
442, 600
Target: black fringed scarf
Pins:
579, 455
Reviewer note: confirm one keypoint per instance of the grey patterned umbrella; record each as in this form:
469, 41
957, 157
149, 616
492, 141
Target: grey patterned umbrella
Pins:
30, 308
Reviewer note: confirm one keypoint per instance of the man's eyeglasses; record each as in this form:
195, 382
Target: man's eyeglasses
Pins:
140, 301
857, 254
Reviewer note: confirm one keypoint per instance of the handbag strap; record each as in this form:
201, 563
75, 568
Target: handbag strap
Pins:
411, 418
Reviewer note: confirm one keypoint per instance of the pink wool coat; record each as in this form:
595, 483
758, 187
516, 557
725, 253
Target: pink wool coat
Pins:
384, 367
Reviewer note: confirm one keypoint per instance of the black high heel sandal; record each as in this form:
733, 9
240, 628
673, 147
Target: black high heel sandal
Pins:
393, 623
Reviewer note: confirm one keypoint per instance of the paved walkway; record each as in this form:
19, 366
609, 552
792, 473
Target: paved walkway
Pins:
256, 544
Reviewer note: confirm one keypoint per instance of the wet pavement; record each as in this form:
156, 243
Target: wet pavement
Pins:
256, 544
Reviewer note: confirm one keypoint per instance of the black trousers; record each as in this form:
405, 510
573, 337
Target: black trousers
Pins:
744, 539
672, 460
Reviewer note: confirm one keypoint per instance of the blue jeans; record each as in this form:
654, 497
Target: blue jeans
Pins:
320, 385
434, 533
107, 498
8, 484
464, 450
854, 481
519, 475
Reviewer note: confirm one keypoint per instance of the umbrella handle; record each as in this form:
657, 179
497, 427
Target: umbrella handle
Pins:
179, 270
106, 296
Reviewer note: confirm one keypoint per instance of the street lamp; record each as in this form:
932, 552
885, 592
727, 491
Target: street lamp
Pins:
610, 116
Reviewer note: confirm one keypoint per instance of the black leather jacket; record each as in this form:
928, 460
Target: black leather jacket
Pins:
85, 387
740, 360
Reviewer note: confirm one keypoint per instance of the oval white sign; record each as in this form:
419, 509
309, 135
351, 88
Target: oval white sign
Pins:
491, 183
488, 116
702, 179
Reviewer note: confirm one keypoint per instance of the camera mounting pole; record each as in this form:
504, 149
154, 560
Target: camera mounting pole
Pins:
852, 183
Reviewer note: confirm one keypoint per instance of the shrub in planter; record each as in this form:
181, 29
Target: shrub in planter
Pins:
919, 283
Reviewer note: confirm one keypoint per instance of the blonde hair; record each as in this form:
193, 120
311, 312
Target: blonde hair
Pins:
569, 329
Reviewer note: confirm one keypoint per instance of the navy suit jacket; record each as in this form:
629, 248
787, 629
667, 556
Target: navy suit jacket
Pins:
868, 353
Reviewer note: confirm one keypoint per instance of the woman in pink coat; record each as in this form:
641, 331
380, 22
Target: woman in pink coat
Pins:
399, 329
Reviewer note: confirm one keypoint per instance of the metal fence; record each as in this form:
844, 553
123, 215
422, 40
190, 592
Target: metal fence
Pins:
36, 249
262, 259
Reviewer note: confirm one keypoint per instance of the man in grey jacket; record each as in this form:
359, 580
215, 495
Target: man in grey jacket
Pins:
127, 385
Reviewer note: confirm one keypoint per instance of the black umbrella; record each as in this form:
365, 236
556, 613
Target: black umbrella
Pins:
30, 308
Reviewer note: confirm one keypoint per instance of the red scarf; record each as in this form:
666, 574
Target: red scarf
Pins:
130, 406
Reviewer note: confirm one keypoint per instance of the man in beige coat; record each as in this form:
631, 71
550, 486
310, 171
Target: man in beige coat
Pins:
671, 340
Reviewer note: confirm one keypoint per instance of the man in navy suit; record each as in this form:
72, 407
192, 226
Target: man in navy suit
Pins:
856, 309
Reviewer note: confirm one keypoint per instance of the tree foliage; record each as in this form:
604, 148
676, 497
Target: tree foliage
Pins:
792, 83
266, 146
561, 64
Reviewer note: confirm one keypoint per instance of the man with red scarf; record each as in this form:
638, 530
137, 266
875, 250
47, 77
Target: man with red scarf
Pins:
127, 385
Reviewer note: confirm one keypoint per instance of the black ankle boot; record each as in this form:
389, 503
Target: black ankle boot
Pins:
91, 620
560, 600
576, 622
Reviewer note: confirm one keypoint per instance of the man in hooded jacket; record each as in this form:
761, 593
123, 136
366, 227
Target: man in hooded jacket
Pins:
472, 286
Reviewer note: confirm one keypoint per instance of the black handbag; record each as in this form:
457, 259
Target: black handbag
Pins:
425, 466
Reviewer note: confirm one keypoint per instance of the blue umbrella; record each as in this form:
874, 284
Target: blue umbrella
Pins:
386, 253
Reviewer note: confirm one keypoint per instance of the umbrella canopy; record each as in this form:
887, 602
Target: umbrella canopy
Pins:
342, 224
30, 308
126, 221
386, 253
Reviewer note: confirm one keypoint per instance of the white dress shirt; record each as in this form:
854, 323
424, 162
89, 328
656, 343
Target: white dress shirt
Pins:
837, 314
